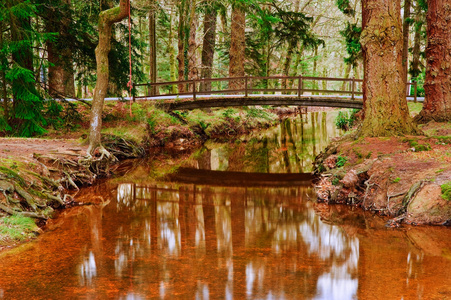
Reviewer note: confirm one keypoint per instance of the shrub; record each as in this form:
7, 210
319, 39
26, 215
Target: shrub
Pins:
446, 191
341, 160
345, 121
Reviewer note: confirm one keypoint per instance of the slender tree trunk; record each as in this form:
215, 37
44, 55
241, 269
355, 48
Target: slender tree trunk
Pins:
224, 28
287, 64
437, 86
415, 65
172, 60
192, 45
315, 66
290, 51
3, 61
405, 38
347, 71
182, 38
152, 48
237, 46
106, 20
208, 48
386, 111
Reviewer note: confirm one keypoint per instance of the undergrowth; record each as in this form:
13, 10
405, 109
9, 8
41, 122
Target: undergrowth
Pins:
344, 120
16, 228
446, 191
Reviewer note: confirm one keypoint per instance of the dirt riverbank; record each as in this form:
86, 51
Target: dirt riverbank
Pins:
406, 178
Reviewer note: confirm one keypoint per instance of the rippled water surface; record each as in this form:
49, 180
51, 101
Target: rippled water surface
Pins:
235, 221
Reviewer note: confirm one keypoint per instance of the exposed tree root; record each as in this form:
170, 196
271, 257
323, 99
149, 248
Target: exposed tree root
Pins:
37, 193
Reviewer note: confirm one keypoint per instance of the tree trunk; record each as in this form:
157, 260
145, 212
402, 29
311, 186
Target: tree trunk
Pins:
385, 109
106, 20
172, 60
208, 47
237, 46
152, 49
61, 70
405, 38
347, 72
290, 51
192, 45
3, 61
287, 64
61, 73
415, 65
437, 86
182, 39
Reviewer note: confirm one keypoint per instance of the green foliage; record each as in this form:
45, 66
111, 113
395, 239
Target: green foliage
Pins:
17, 228
257, 113
446, 191
53, 114
396, 180
335, 181
342, 120
229, 112
341, 161
352, 34
345, 121
345, 7
275, 25
420, 82
417, 146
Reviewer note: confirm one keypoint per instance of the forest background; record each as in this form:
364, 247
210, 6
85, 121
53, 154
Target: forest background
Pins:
48, 47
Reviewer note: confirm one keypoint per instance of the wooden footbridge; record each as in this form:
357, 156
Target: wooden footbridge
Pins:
251, 91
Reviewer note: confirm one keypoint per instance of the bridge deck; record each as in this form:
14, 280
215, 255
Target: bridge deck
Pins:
252, 100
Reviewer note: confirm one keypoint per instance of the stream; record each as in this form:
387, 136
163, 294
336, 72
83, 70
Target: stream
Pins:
232, 220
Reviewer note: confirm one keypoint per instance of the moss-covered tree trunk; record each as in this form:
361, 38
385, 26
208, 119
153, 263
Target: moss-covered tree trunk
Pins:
237, 45
385, 107
106, 20
437, 86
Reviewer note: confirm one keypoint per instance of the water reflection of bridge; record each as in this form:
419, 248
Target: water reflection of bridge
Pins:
239, 179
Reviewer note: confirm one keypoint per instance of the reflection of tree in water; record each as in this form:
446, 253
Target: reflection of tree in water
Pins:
166, 240
289, 148
261, 242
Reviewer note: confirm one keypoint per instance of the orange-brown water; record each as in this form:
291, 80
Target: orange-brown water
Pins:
155, 234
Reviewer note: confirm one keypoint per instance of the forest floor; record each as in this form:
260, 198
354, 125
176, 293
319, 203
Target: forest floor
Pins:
407, 178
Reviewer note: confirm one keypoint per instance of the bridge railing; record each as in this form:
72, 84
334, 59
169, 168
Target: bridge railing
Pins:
283, 85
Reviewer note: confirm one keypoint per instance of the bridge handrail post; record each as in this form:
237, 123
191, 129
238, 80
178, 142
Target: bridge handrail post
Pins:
194, 89
245, 86
353, 88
